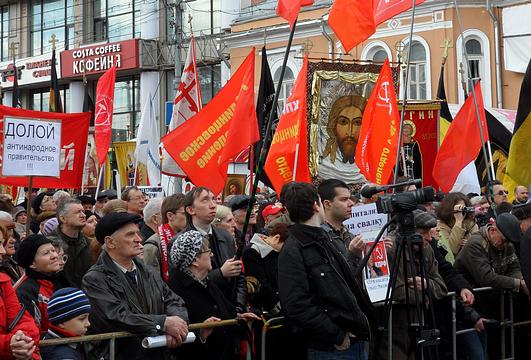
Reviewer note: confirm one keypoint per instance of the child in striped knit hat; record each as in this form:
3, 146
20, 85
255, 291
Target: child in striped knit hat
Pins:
68, 313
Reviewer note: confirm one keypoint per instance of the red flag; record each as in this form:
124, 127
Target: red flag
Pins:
198, 144
244, 131
386, 9
74, 135
103, 113
289, 145
462, 142
378, 142
289, 9
352, 21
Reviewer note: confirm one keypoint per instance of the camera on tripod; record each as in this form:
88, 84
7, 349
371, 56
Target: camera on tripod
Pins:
404, 201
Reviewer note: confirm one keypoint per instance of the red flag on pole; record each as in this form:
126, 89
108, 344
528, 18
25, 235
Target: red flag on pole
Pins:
198, 145
244, 131
289, 9
462, 142
352, 21
386, 9
287, 159
103, 113
378, 143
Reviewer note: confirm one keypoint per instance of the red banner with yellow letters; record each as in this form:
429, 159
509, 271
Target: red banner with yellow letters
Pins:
290, 146
378, 142
198, 145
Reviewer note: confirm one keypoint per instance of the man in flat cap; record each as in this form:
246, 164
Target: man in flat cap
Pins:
127, 297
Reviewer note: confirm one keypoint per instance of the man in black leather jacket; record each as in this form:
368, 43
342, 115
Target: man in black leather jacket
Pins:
125, 296
317, 289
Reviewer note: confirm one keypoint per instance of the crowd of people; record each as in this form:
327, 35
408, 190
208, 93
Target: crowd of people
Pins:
152, 266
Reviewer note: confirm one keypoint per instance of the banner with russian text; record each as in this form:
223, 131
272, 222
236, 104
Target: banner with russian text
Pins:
420, 128
74, 135
378, 142
197, 145
287, 159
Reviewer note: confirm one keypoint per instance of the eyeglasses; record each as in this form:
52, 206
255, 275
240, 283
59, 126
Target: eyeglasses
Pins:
206, 251
502, 192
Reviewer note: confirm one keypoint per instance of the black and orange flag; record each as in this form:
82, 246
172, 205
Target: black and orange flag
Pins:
517, 171
55, 95
203, 145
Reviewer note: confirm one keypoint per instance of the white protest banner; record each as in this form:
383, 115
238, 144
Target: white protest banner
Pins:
32, 147
365, 218
152, 191
376, 273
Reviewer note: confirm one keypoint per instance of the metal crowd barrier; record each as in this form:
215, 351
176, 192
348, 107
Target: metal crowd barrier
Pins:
117, 335
273, 322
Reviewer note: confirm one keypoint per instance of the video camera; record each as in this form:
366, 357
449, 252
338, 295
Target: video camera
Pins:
404, 201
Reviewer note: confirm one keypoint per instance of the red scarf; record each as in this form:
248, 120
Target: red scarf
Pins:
166, 234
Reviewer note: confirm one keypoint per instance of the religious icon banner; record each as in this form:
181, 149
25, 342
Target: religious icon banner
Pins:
338, 93
126, 163
419, 142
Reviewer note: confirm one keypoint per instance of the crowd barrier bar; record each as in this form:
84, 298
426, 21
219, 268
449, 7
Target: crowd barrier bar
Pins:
122, 334
267, 325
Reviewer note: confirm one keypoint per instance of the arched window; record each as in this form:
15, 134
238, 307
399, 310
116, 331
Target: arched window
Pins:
478, 65
287, 84
376, 51
418, 74
475, 60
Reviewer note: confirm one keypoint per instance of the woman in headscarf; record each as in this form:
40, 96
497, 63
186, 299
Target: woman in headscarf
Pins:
190, 255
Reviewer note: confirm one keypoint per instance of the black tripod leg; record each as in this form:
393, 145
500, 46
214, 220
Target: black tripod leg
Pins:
428, 293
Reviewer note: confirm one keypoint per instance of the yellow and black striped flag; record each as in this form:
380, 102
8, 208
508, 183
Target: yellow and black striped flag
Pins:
518, 171
55, 95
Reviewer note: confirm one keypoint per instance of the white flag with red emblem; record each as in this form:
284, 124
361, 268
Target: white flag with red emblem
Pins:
187, 103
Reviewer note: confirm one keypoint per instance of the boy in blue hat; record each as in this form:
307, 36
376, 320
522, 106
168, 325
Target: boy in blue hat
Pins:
68, 314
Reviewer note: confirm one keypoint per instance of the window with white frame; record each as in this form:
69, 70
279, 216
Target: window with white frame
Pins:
287, 84
476, 61
417, 72
476, 44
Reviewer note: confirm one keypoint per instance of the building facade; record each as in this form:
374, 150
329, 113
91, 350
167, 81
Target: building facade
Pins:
489, 35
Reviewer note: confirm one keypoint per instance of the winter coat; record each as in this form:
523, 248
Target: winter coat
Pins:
483, 265
203, 302
60, 352
152, 256
117, 305
261, 262
343, 238
435, 281
9, 310
455, 236
318, 291
223, 248
79, 257
34, 290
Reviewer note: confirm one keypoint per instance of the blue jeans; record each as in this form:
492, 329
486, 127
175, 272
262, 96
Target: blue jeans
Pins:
357, 351
472, 346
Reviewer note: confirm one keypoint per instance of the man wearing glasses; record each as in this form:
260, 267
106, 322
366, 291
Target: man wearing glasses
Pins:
157, 247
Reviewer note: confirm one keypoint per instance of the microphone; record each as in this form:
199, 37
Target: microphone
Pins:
369, 191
